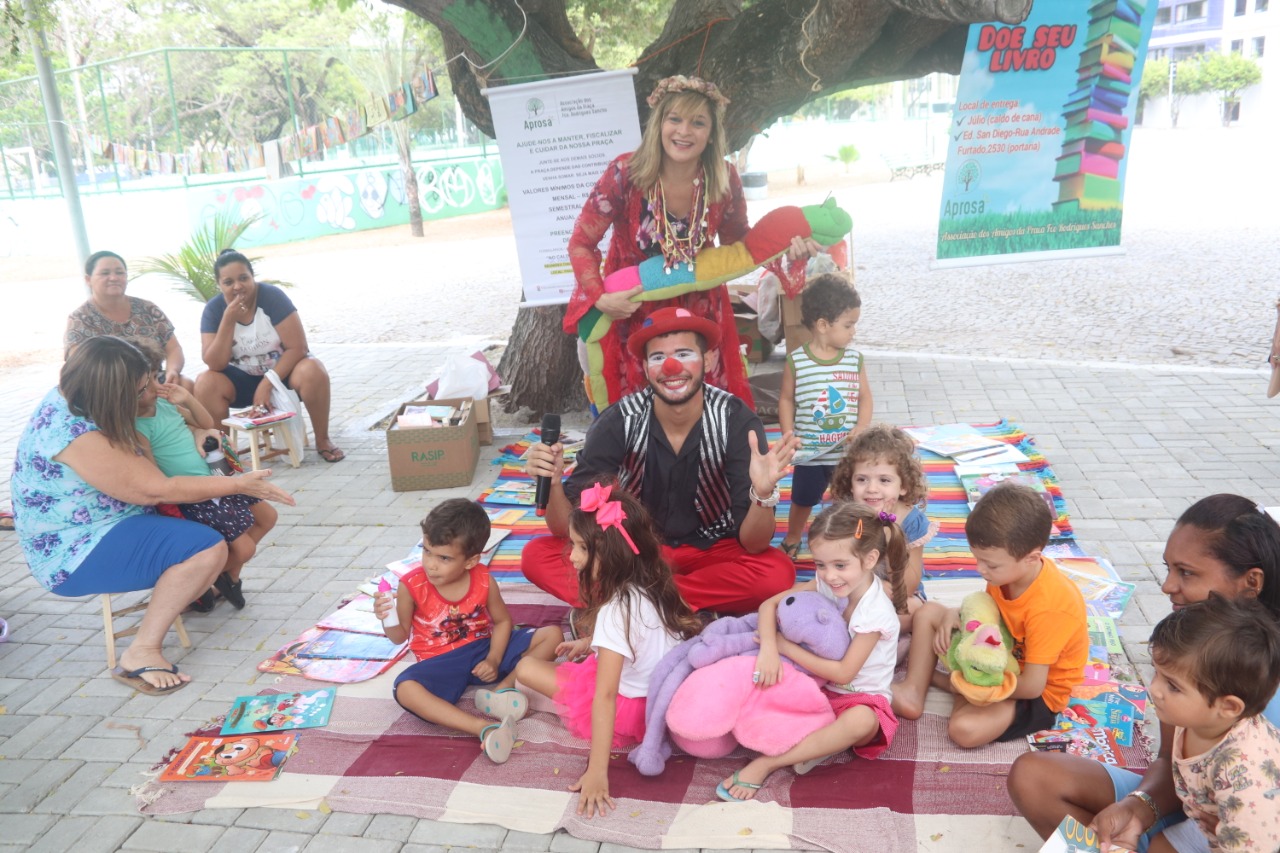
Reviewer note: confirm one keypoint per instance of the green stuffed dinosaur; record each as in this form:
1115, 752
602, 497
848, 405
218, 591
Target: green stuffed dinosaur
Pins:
983, 669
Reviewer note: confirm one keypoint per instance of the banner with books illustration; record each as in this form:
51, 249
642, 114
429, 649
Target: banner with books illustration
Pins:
1040, 134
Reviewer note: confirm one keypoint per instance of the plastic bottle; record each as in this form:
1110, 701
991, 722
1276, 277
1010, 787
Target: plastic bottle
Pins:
217, 460
393, 618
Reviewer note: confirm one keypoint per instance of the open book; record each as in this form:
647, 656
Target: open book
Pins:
1072, 836
256, 416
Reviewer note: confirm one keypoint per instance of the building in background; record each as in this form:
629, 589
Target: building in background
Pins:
1186, 29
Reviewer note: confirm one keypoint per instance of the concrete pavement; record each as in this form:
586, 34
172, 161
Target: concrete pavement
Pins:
1132, 446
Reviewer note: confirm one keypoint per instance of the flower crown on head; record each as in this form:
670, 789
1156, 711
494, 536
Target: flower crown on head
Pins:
681, 83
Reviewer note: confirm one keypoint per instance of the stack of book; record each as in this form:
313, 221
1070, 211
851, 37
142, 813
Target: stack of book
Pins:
1088, 171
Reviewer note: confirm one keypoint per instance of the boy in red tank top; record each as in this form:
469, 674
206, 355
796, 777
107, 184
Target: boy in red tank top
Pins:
461, 632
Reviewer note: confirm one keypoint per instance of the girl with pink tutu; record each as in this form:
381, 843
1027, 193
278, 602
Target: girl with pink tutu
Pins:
638, 616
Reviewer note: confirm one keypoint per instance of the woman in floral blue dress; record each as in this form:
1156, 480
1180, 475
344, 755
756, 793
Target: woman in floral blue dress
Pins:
83, 490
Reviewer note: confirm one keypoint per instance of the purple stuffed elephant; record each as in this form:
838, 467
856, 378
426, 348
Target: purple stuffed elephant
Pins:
795, 705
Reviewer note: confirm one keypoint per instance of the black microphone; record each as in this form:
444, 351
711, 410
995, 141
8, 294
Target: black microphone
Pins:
550, 435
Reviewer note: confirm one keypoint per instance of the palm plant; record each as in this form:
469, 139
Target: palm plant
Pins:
190, 269
846, 154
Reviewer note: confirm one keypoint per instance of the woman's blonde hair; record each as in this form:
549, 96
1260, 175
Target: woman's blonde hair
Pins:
100, 382
646, 163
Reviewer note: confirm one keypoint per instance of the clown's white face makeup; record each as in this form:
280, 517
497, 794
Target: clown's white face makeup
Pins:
674, 366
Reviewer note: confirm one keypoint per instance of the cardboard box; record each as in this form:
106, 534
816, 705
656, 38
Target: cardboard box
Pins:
747, 322
483, 419
792, 329
434, 457
484, 424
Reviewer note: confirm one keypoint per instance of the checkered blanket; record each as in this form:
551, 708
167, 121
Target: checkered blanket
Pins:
374, 758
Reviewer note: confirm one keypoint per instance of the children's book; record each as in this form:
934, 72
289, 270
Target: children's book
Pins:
1107, 596
1103, 632
1097, 669
1099, 567
356, 615
1096, 743
400, 568
980, 479
348, 645
256, 416
511, 494
959, 443
504, 517
279, 712
287, 662
1072, 836
238, 758
1116, 707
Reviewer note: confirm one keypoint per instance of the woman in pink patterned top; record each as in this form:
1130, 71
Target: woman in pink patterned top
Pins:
108, 311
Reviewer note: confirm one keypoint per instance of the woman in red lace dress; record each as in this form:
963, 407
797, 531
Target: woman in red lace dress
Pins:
672, 196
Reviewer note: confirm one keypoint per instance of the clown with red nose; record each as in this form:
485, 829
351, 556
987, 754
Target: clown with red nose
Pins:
695, 456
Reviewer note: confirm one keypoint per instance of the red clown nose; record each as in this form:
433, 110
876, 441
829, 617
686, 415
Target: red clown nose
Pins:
671, 367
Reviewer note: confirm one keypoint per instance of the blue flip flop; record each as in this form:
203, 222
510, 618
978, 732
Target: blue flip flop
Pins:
134, 679
723, 793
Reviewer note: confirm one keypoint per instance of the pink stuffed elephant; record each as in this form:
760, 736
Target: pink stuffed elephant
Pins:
702, 690
718, 707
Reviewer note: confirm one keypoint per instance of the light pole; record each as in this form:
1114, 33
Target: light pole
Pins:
58, 135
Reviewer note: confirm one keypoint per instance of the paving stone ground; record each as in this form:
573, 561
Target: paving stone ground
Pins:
1133, 440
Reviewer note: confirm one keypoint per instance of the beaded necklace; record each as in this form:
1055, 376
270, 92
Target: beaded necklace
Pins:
676, 249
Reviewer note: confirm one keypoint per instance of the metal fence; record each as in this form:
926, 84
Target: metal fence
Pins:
208, 100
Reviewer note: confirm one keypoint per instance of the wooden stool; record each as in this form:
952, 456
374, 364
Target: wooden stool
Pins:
109, 628
262, 441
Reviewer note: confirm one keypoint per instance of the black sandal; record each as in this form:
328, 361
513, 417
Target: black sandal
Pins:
230, 590
204, 604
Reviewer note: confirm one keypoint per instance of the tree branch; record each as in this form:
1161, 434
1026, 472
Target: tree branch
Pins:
770, 57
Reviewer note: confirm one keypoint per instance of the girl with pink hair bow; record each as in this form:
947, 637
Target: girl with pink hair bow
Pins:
637, 616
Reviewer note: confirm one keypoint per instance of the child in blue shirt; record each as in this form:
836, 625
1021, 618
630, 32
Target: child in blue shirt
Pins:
175, 425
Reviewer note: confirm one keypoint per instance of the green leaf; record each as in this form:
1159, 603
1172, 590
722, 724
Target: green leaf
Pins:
190, 269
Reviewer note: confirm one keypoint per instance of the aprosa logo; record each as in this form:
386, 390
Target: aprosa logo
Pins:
534, 108
969, 174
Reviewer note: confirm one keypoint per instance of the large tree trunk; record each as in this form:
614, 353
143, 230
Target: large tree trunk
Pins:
769, 58
541, 363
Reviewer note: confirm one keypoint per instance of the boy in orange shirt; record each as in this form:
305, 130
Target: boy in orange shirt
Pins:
1007, 530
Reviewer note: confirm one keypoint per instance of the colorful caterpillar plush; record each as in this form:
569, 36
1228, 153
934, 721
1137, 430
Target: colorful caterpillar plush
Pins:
768, 239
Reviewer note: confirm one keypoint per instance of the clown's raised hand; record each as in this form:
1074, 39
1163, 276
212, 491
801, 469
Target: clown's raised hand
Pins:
770, 467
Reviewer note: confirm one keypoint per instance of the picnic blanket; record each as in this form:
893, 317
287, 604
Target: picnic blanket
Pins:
947, 555
375, 758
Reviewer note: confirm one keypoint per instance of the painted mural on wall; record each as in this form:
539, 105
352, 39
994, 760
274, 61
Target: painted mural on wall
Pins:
336, 202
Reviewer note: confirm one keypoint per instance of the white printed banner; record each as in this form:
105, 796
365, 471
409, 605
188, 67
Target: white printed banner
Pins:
555, 138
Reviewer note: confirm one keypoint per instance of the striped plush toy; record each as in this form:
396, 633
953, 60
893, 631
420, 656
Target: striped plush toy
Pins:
768, 239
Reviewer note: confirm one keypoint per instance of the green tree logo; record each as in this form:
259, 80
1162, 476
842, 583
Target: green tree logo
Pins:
969, 174
534, 107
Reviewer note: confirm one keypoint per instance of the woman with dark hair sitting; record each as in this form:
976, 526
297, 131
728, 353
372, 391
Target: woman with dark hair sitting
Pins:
82, 491
250, 331
1223, 544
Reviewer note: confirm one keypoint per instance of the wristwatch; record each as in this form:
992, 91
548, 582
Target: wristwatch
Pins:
769, 502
